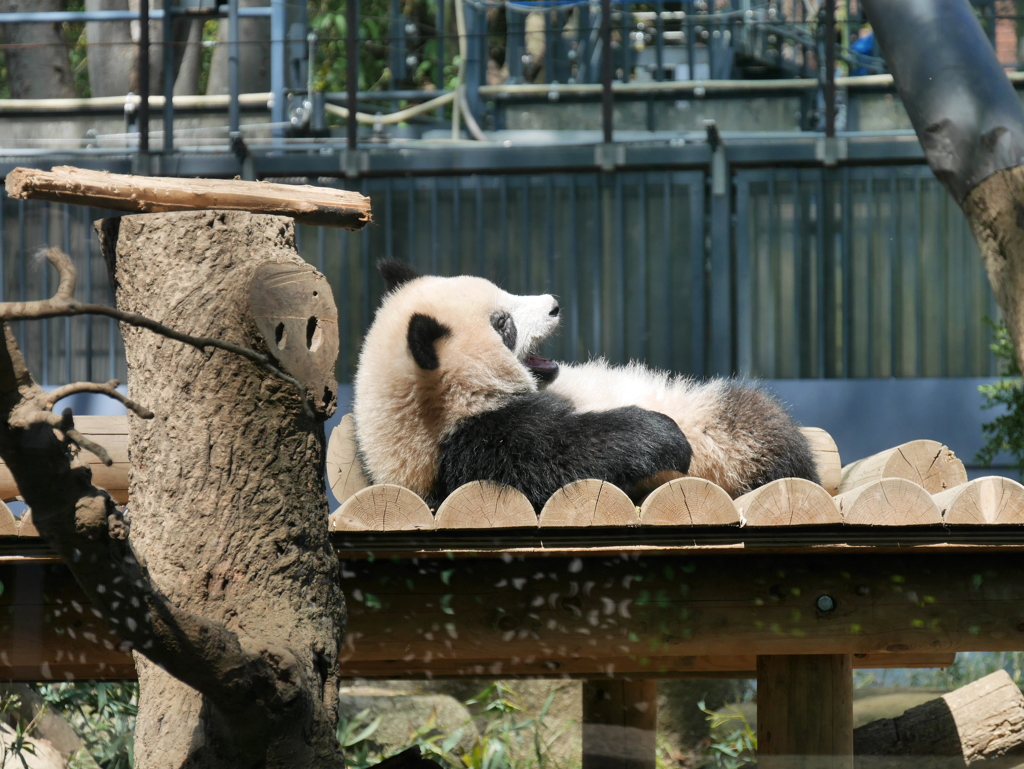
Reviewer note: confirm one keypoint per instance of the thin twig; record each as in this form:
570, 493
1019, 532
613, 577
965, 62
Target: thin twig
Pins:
109, 389
62, 305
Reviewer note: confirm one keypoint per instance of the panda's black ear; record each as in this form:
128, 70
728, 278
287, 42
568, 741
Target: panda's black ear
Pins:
395, 273
424, 331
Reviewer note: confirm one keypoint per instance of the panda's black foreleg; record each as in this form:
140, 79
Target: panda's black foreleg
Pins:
538, 442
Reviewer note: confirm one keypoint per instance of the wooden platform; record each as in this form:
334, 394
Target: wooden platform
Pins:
897, 561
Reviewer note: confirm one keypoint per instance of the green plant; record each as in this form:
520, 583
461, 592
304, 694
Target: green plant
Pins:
10, 713
1006, 431
354, 736
738, 747
103, 716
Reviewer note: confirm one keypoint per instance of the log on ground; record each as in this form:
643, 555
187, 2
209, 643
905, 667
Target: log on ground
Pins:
980, 722
154, 194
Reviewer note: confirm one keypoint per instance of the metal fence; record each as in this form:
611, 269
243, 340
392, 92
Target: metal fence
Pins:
836, 272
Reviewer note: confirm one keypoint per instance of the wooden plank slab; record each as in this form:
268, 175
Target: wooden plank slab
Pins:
589, 503
325, 206
788, 502
826, 457
929, 464
344, 472
486, 505
382, 508
8, 523
111, 433
689, 502
986, 500
889, 502
25, 526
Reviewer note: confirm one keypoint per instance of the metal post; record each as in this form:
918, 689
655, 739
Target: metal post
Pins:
830, 69
168, 58
659, 40
234, 112
143, 71
607, 102
278, 34
352, 69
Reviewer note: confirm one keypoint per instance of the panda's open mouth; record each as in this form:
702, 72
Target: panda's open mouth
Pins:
544, 371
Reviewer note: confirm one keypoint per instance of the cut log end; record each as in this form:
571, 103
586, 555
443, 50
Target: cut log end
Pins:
382, 508
985, 500
589, 503
689, 502
929, 464
826, 458
889, 502
788, 502
344, 471
486, 505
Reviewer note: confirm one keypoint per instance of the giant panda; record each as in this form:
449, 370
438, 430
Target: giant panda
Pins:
448, 390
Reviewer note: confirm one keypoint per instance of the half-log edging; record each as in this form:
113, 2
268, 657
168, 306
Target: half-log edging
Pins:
920, 483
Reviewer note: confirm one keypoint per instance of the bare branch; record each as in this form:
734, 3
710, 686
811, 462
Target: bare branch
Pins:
61, 305
66, 424
108, 389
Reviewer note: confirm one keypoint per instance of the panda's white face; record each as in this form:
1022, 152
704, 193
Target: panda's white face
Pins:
441, 350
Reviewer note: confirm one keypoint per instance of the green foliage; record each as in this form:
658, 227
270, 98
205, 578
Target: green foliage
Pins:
103, 716
10, 712
1005, 432
739, 745
78, 51
510, 739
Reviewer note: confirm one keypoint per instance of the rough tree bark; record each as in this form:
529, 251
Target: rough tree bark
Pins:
970, 123
229, 506
253, 54
228, 586
38, 66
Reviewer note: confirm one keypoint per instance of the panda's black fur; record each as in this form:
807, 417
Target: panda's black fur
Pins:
447, 392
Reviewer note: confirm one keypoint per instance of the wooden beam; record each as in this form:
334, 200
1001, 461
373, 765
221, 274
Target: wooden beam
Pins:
620, 720
150, 194
986, 500
788, 502
382, 508
589, 503
344, 471
480, 617
689, 502
826, 457
889, 502
805, 712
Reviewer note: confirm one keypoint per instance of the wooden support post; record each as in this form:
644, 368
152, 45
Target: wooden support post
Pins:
805, 711
619, 722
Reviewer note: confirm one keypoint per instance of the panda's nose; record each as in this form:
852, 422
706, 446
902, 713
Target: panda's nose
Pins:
554, 311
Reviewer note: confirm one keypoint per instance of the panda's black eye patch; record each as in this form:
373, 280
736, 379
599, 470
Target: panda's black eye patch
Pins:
506, 328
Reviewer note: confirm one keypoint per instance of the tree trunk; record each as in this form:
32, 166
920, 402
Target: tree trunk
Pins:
228, 505
37, 57
253, 54
970, 123
112, 52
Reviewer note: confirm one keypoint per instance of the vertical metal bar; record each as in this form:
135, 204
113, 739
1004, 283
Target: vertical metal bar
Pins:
830, 68
619, 321
641, 272
389, 220
479, 221
549, 231
549, 42
45, 275
744, 292
659, 41
526, 230
514, 49
800, 260
698, 277
667, 361
895, 279
66, 213
439, 36
823, 270
691, 47
411, 231
352, 70
278, 33
345, 334
846, 255
774, 269
600, 195
435, 245
721, 289
367, 262
456, 230
869, 288
574, 270
168, 65
22, 271
607, 102
503, 219
143, 69
234, 111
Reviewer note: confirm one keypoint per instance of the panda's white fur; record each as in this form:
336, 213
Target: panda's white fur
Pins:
720, 453
445, 393
401, 412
